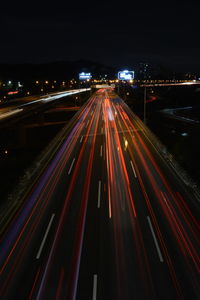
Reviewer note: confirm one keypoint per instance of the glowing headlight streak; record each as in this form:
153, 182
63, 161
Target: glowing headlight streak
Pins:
53, 173
123, 171
56, 96
110, 115
10, 113
185, 241
126, 144
81, 224
153, 183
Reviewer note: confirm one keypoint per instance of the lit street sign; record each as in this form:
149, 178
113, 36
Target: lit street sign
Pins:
85, 76
126, 75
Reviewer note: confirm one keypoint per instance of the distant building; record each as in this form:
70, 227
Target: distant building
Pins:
144, 71
190, 76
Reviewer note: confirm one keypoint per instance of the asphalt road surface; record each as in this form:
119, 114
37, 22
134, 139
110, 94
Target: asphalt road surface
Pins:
19, 107
107, 219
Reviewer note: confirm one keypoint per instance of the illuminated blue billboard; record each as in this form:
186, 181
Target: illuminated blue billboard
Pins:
85, 76
126, 75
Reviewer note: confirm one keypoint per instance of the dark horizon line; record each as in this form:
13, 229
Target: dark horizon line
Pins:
120, 66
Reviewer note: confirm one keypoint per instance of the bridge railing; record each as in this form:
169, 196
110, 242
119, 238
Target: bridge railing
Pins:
162, 149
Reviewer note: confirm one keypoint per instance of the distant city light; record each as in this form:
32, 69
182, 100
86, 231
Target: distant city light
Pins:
85, 76
184, 134
126, 75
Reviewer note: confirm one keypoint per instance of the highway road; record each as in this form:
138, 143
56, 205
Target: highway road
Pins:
19, 107
107, 219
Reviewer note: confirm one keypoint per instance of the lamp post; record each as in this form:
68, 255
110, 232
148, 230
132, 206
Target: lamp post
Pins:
145, 101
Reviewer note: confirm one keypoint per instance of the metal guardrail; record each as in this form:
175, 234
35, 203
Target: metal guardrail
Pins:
169, 84
182, 173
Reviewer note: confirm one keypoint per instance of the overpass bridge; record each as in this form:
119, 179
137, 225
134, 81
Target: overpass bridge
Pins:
19, 109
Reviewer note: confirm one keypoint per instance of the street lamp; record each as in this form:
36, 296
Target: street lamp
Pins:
145, 101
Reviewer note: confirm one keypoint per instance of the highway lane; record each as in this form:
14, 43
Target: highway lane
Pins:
18, 108
158, 270
108, 219
51, 176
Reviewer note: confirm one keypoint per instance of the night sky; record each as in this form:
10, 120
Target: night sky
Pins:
114, 33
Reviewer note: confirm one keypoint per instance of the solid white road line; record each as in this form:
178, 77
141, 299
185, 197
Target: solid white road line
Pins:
101, 151
45, 237
81, 139
99, 195
94, 294
155, 240
70, 169
133, 169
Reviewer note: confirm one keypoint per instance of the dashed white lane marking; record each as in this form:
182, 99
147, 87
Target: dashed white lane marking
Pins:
133, 169
81, 139
101, 151
70, 169
45, 237
155, 240
99, 195
94, 294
